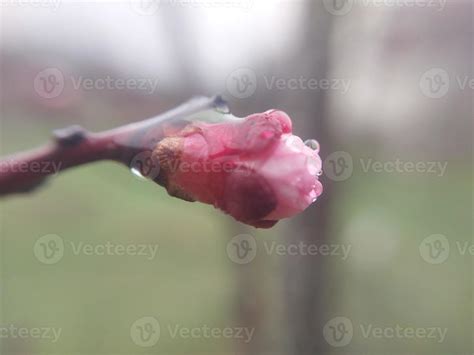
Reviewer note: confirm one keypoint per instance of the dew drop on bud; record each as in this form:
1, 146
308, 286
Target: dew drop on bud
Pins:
313, 144
313, 166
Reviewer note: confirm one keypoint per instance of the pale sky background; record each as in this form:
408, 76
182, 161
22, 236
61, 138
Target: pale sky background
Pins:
227, 37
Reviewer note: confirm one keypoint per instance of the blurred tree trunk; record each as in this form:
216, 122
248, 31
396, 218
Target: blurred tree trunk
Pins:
250, 306
306, 276
306, 279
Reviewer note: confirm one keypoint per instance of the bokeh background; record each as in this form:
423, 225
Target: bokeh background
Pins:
377, 83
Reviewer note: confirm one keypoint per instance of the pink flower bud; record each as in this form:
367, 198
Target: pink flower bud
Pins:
256, 170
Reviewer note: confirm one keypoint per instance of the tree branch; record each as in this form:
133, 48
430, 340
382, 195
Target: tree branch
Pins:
74, 146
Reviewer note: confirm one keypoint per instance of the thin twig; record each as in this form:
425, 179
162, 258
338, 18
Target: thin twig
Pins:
74, 146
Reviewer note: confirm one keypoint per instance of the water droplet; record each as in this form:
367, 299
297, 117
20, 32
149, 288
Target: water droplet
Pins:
221, 106
137, 173
319, 173
144, 166
313, 144
313, 165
